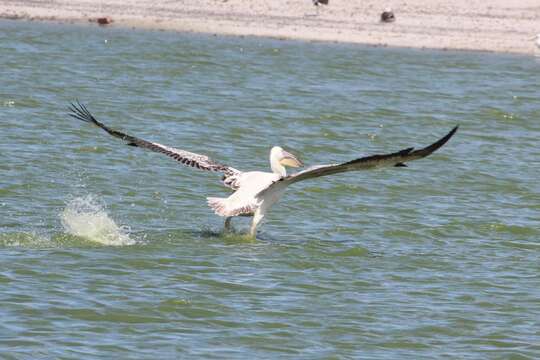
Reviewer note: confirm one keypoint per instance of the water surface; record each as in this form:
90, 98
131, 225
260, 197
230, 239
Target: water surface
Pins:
108, 251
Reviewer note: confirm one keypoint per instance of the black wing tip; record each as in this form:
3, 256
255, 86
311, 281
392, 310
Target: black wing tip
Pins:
428, 150
80, 112
447, 137
453, 131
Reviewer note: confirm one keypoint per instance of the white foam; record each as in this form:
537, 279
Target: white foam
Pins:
86, 217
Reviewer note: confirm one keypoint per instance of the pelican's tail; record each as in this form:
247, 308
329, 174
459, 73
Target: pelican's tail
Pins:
224, 207
219, 205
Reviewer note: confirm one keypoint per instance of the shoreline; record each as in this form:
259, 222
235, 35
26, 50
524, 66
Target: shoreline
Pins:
493, 26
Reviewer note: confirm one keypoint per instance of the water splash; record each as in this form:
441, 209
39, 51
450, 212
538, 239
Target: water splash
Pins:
85, 217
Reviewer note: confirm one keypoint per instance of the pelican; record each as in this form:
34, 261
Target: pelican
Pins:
256, 191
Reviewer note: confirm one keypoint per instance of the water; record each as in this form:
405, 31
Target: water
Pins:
107, 251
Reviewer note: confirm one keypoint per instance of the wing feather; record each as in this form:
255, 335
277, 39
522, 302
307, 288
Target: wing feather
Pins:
398, 158
203, 162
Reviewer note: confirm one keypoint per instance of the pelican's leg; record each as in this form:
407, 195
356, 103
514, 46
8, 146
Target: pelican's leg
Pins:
257, 218
228, 225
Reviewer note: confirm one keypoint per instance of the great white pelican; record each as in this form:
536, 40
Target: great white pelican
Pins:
256, 191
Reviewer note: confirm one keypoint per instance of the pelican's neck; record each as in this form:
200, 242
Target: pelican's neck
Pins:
277, 168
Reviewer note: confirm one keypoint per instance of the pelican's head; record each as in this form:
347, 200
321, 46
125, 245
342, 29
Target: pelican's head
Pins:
280, 158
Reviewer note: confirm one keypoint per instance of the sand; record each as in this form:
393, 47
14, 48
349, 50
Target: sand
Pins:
489, 25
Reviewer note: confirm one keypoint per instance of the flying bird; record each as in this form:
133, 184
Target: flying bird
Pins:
254, 192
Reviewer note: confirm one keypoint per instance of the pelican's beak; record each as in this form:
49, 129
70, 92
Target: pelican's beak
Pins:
289, 159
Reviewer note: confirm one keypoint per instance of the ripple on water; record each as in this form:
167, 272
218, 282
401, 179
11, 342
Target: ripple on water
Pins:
24, 240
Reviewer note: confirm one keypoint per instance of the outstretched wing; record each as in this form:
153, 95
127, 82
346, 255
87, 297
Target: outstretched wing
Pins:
203, 162
398, 158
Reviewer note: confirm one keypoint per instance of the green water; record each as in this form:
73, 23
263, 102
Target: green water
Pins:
107, 251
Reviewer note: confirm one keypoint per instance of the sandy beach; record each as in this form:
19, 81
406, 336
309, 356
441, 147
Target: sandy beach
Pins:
493, 25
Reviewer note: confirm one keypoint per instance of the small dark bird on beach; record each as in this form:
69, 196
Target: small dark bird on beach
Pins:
388, 16
319, 2
104, 20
